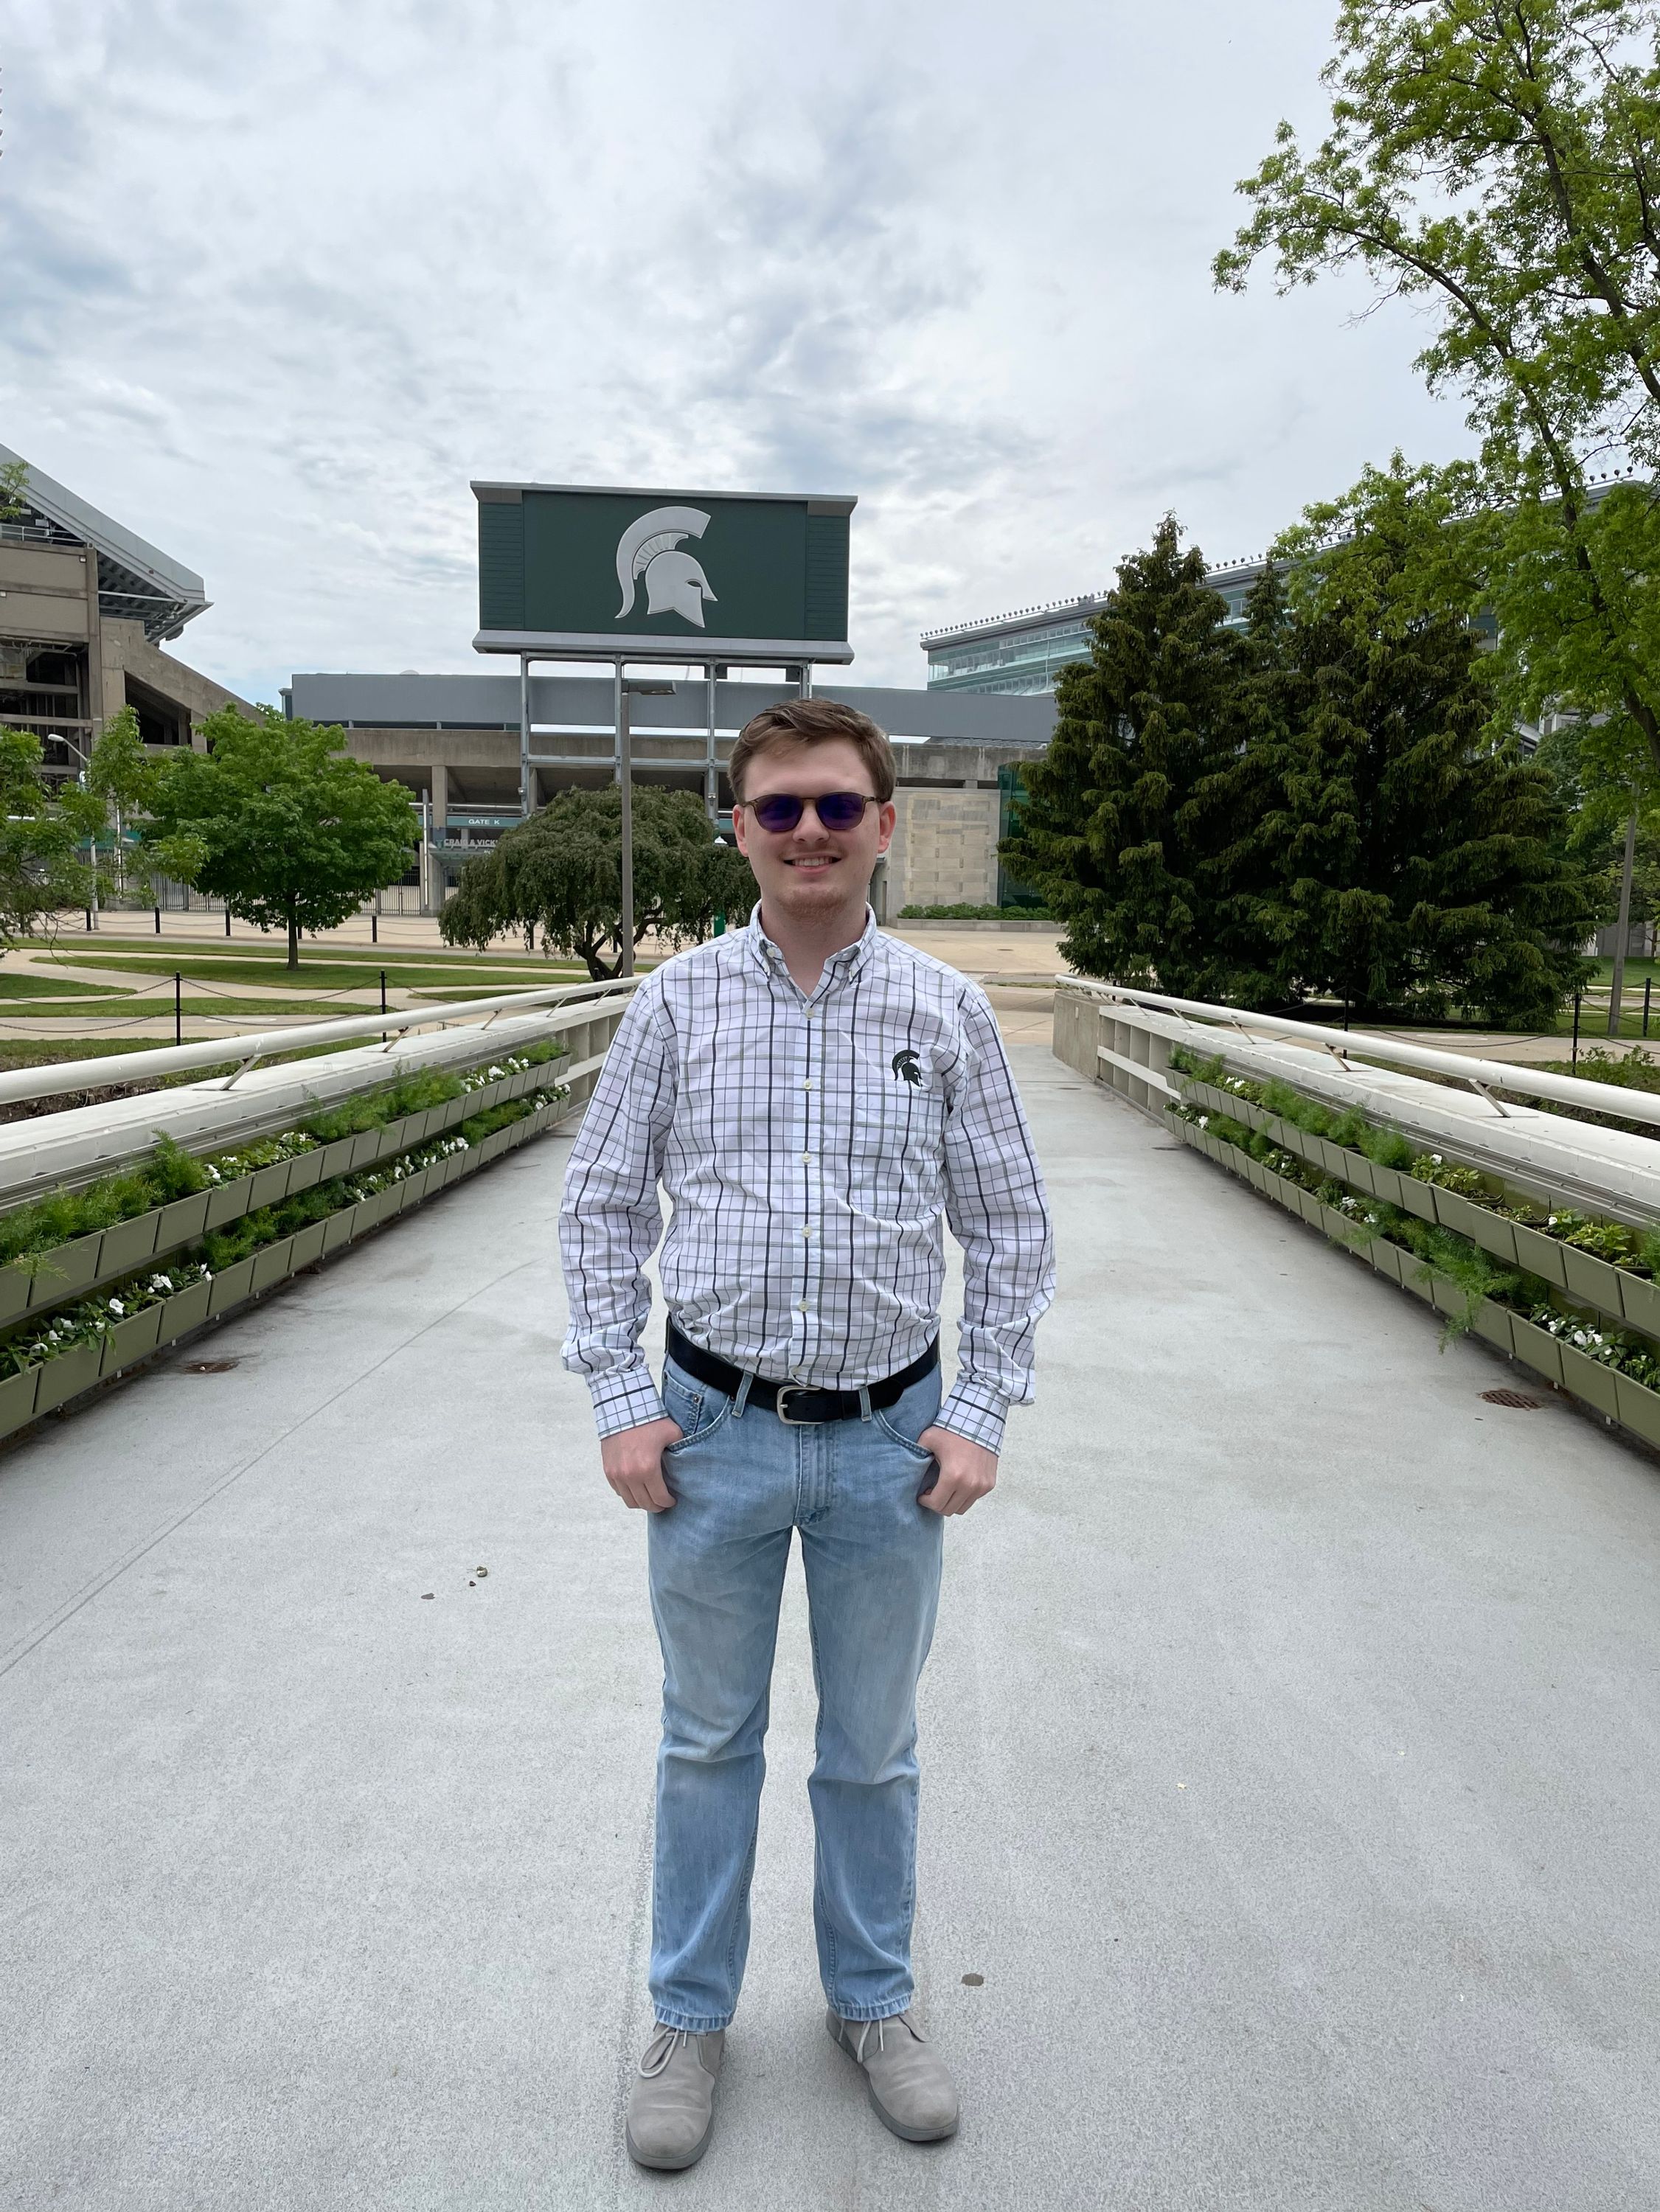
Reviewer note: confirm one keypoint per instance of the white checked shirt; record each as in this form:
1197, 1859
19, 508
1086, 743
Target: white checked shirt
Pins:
810, 1148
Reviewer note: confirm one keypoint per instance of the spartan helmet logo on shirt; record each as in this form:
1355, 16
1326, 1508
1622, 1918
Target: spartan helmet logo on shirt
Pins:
650, 547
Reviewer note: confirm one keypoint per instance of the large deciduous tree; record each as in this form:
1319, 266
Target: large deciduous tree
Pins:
561, 872
278, 820
1497, 162
1121, 832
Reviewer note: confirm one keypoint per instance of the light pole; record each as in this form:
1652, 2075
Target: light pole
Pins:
91, 843
628, 686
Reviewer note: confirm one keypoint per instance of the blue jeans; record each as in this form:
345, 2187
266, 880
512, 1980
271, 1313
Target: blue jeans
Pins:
742, 1483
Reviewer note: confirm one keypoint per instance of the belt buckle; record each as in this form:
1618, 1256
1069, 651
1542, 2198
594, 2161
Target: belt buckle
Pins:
793, 1389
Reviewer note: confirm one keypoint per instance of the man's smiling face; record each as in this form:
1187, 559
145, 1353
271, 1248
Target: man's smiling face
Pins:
810, 871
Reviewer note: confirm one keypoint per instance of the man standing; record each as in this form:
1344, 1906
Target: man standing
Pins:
814, 1096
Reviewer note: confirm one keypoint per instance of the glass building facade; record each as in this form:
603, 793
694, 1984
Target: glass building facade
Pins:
1024, 652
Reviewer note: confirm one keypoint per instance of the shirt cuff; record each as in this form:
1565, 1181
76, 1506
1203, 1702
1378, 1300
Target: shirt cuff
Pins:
977, 1411
624, 1398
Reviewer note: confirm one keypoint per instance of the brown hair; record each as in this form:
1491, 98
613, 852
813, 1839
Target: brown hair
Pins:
812, 722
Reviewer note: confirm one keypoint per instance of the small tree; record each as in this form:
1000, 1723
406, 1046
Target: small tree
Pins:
14, 490
1121, 834
122, 777
561, 872
41, 870
278, 820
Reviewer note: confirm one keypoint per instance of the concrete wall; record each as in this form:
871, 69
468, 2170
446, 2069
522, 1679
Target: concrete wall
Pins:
125, 651
944, 850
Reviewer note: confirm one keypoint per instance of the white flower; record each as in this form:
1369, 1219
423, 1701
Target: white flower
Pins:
116, 1307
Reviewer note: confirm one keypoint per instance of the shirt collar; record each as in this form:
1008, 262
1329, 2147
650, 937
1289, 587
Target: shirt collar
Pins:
840, 965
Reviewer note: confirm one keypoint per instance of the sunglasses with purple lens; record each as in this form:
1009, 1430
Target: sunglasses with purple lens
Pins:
836, 810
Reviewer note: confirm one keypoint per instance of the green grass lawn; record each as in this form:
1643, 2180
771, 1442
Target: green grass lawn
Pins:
19, 983
324, 976
159, 1007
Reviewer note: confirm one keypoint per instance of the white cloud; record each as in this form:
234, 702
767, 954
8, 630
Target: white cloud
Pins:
278, 281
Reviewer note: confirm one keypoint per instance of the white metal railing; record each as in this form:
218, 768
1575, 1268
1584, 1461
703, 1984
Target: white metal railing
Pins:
1122, 1038
102, 1074
73, 1145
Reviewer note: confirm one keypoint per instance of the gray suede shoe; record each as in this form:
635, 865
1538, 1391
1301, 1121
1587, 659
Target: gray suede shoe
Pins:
911, 2090
671, 2104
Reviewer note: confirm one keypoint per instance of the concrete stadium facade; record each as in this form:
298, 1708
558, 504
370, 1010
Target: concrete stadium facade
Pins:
455, 742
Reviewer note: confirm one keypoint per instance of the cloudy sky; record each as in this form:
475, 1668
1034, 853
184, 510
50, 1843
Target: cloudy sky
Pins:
275, 282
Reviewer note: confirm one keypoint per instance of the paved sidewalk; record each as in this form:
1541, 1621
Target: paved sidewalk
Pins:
1289, 1753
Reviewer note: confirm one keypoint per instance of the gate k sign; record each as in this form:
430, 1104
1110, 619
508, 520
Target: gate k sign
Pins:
573, 571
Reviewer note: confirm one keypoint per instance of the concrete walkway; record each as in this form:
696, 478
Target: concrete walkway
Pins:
1289, 1740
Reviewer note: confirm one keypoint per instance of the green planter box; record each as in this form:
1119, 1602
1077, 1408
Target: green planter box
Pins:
336, 1159
183, 1220
128, 1244
1640, 1301
272, 1264
1590, 1380
1592, 1280
1416, 1277
15, 1284
131, 1340
1356, 1170
70, 1373
1447, 1298
228, 1202
1639, 1408
340, 1229
305, 1168
269, 1186
231, 1287
66, 1271
1338, 1226
185, 1312
366, 1148
308, 1244
1537, 1347
1482, 1226
1492, 1324
1417, 1197
1386, 1258
1386, 1185
1540, 1254
17, 1397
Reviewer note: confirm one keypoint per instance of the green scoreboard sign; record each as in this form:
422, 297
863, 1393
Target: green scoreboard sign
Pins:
581, 571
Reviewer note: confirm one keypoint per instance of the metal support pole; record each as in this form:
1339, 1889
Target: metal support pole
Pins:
1573, 1060
711, 760
625, 780
1622, 934
228, 921
805, 686
158, 921
178, 1008
1648, 985
374, 928
524, 735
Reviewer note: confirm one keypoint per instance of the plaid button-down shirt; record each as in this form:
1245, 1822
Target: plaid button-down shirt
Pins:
810, 1148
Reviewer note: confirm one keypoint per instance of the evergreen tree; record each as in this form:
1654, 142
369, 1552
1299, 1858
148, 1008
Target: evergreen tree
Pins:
1122, 830
1395, 857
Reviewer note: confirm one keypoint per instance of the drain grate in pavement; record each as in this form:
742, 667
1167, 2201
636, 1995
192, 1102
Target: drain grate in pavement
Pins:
1519, 1398
208, 1366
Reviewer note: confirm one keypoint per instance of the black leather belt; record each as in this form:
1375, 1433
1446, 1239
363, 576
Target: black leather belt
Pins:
794, 1402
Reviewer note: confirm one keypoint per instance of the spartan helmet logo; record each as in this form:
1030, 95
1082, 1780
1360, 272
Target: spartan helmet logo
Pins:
650, 547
